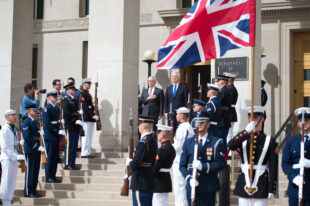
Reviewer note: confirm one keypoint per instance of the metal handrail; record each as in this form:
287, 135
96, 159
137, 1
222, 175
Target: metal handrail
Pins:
288, 134
284, 125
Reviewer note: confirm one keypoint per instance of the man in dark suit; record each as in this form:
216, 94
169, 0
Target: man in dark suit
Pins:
264, 96
175, 97
151, 101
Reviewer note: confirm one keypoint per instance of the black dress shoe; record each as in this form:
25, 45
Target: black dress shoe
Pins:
83, 156
49, 180
91, 156
66, 167
55, 180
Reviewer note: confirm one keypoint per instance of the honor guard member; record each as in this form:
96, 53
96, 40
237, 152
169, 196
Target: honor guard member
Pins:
234, 96
51, 136
72, 126
9, 157
224, 96
211, 154
184, 131
142, 179
161, 169
291, 161
265, 162
198, 105
32, 149
264, 96
89, 118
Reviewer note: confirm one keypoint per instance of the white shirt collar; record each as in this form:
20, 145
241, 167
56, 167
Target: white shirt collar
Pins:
147, 133
54, 105
204, 138
70, 96
31, 118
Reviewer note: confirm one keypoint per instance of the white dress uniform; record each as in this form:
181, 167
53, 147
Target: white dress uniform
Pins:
9, 155
184, 131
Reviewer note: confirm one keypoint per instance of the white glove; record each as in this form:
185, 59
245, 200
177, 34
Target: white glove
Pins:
96, 117
270, 196
307, 163
193, 183
79, 122
62, 132
128, 160
250, 127
41, 149
197, 164
20, 157
22, 141
41, 132
62, 121
297, 180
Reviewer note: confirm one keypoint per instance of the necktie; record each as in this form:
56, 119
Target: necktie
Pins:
174, 90
150, 92
200, 142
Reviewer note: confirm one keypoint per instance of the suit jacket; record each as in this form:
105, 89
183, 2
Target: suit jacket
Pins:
153, 107
291, 156
179, 100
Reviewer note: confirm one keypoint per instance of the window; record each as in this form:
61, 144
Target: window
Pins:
85, 59
188, 3
34, 65
84, 8
38, 8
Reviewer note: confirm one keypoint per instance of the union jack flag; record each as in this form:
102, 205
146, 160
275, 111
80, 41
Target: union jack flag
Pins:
208, 31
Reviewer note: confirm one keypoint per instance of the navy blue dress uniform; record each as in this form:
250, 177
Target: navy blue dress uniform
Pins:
142, 179
70, 116
176, 94
291, 157
211, 153
30, 130
51, 137
265, 162
224, 96
234, 96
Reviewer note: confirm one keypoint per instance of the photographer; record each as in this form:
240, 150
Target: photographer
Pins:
31, 97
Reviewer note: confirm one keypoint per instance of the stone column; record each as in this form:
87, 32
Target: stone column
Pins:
15, 51
113, 55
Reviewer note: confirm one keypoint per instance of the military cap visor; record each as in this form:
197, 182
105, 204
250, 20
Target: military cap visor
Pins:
9, 112
230, 75
69, 86
32, 107
146, 119
201, 116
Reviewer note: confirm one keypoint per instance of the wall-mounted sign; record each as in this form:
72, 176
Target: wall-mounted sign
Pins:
238, 66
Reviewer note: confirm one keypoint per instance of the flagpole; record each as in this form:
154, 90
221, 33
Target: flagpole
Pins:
252, 114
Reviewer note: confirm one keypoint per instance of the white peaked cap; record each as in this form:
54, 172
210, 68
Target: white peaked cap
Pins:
256, 109
9, 112
183, 110
164, 127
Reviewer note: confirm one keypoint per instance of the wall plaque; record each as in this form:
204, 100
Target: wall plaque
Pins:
238, 66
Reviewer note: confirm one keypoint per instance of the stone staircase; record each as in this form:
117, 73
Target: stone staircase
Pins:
98, 182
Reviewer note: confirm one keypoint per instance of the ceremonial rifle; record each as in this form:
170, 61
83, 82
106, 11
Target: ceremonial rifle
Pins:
98, 122
196, 157
302, 159
22, 163
171, 121
42, 142
199, 87
61, 122
125, 187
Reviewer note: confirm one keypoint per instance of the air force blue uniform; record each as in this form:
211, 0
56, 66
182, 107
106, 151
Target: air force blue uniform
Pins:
52, 139
212, 157
291, 156
70, 115
30, 130
214, 111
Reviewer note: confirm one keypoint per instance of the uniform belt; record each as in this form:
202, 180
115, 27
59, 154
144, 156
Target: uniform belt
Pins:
225, 108
146, 164
213, 123
233, 105
164, 170
54, 122
255, 167
189, 166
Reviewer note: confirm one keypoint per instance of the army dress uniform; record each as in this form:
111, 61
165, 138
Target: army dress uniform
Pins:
290, 164
211, 153
161, 170
70, 116
9, 156
88, 115
30, 131
52, 138
183, 132
265, 164
142, 178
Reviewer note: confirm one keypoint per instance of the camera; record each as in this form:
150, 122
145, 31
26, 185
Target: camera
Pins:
42, 91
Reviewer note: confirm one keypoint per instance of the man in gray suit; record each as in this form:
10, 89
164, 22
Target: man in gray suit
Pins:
152, 101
